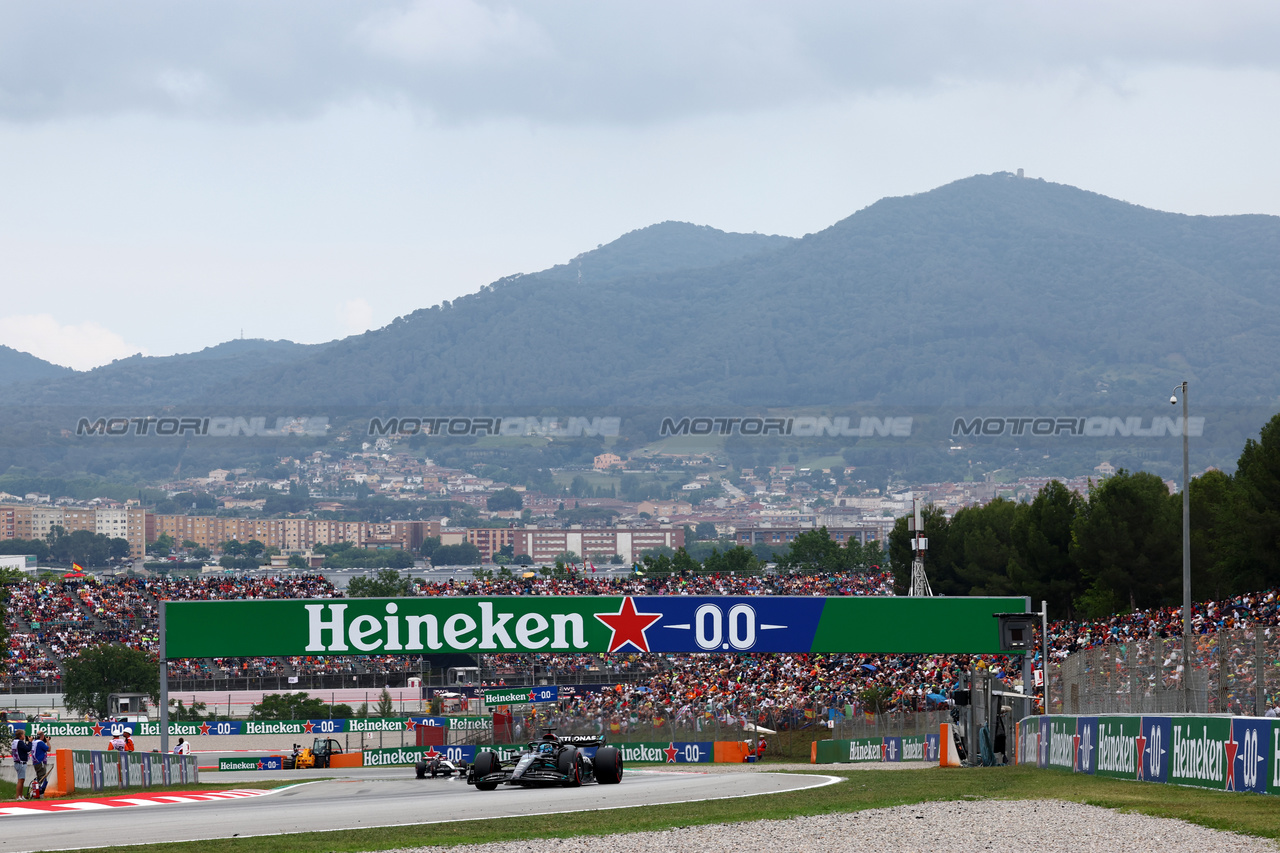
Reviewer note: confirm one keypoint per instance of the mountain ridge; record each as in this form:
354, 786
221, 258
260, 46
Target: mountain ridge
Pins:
990, 290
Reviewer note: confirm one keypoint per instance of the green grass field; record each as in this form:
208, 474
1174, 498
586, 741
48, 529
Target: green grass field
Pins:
861, 789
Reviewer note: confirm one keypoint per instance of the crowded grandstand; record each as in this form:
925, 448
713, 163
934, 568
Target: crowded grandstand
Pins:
50, 621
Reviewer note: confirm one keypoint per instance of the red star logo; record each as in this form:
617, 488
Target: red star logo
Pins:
408, 724
628, 626
97, 730
204, 728
1141, 743
533, 696
1232, 749
671, 750
259, 763
1075, 746
307, 727
431, 753
883, 747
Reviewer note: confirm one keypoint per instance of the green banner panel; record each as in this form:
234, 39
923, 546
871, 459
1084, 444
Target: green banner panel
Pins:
593, 624
1117, 752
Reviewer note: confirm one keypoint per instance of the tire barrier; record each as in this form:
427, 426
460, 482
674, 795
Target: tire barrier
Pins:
1221, 753
879, 749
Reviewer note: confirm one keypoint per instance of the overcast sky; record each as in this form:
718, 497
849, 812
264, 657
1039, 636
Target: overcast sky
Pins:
174, 174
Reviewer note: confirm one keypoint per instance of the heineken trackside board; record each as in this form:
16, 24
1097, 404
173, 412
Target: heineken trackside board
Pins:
593, 624
1219, 752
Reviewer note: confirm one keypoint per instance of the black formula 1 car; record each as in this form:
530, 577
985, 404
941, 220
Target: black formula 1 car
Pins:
438, 766
549, 762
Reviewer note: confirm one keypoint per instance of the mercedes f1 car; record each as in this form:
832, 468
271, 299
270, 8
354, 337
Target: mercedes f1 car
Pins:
549, 762
437, 766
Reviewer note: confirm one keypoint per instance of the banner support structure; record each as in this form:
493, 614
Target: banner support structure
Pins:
164, 685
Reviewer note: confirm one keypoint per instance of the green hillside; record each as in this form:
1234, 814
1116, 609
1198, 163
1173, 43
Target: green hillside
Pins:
992, 290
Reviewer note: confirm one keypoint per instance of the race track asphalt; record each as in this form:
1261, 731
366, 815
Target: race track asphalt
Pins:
370, 797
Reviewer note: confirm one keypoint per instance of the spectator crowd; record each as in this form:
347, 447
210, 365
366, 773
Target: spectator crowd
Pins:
50, 621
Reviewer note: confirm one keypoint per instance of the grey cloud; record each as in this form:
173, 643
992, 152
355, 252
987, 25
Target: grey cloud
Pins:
583, 61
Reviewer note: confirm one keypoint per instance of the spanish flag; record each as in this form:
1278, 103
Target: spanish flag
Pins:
77, 567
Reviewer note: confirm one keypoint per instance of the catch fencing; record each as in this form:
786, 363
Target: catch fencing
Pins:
1233, 671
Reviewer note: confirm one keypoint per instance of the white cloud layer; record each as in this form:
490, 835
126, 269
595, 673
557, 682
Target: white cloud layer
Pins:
306, 169
78, 345
581, 60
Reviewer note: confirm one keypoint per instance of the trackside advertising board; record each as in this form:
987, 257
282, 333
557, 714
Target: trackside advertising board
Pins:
593, 624
880, 749
1220, 753
521, 695
670, 752
266, 762
254, 727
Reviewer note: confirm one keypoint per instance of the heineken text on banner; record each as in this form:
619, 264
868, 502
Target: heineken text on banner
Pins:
521, 695
593, 624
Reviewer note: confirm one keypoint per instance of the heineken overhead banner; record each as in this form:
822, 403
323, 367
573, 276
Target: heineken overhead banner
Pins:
594, 624
1222, 753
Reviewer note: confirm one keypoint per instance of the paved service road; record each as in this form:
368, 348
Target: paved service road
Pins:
366, 798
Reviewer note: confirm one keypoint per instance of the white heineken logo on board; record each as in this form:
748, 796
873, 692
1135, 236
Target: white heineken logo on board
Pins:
913, 750
1197, 757
1062, 747
329, 630
258, 728
1116, 753
381, 757
864, 751
366, 725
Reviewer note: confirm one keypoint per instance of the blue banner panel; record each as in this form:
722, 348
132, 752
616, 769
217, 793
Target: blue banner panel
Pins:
1153, 749
1086, 744
1247, 755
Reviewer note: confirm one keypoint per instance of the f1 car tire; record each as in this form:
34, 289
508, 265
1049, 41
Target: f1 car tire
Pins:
569, 763
420, 769
486, 763
608, 765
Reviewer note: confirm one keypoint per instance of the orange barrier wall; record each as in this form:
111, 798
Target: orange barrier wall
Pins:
347, 759
730, 752
64, 779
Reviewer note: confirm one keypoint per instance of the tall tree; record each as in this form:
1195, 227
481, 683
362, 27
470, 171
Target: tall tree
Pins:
1127, 543
1255, 527
981, 547
105, 669
387, 583
1042, 567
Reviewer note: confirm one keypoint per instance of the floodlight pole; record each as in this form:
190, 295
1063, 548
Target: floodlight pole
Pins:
1044, 652
164, 687
1186, 549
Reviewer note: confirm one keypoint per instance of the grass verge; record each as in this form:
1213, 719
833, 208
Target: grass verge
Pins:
863, 789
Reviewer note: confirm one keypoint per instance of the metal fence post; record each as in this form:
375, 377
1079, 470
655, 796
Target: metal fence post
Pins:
1259, 673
